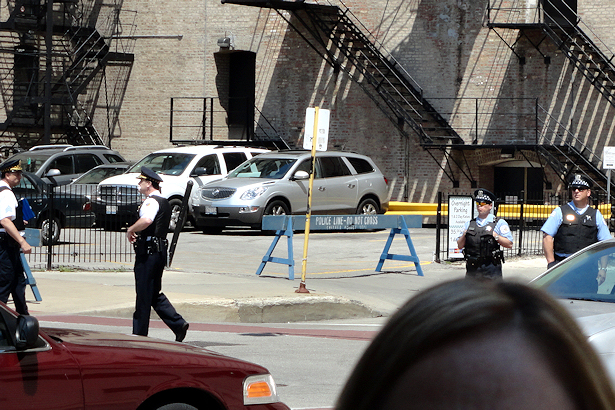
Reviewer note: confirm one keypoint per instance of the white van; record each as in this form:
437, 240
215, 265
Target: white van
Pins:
117, 198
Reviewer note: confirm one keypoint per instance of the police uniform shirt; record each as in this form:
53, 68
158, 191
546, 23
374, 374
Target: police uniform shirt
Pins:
150, 207
501, 227
8, 203
552, 224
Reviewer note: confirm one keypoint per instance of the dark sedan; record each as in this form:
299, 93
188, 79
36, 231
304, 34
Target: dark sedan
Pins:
78, 369
68, 208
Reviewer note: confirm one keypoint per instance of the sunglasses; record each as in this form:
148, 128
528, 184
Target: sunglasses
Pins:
579, 189
483, 203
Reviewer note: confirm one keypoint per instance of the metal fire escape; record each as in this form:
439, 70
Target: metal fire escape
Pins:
556, 21
340, 38
54, 76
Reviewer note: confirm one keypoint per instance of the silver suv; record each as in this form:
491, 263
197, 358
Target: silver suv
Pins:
276, 183
71, 161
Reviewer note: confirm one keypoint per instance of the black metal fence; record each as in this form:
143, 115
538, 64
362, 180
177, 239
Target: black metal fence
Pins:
78, 224
524, 216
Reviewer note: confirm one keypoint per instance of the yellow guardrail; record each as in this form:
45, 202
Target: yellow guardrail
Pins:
511, 211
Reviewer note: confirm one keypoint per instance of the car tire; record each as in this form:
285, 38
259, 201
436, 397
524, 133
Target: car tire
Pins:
112, 226
55, 230
276, 208
176, 206
176, 406
212, 230
368, 207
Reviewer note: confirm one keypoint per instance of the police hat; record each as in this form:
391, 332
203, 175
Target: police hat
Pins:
579, 181
149, 175
482, 195
10, 166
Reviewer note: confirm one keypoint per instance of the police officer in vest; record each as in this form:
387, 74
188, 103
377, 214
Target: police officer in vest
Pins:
12, 238
148, 235
573, 226
481, 239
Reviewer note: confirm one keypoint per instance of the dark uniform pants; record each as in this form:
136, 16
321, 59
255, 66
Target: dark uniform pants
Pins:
12, 278
484, 271
148, 281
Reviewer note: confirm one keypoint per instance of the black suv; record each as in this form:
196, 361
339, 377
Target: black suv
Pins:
68, 207
71, 161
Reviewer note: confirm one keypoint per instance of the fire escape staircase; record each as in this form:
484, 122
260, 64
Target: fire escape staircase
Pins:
341, 40
563, 28
79, 57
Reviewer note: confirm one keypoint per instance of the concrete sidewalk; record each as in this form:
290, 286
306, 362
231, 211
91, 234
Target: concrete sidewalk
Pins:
207, 297
341, 284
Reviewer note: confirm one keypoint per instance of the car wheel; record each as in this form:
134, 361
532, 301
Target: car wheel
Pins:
212, 230
55, 230
368, 207
177, 406
276, 208
111, 226
176, 206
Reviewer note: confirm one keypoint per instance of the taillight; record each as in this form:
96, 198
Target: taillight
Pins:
87, 206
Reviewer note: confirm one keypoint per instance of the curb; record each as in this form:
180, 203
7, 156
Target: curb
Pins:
268, 310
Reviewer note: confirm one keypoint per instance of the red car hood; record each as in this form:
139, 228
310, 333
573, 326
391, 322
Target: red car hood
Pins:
73, 339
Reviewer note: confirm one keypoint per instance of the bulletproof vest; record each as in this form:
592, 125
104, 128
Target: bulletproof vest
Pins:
160, 226
576, 231
18, 222
480, 242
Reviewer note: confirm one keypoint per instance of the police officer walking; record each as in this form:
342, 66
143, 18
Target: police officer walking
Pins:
148, 235
573, 226
12, 240
481, 239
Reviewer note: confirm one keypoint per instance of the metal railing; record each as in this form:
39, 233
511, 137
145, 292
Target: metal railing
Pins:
84, 229
524, 215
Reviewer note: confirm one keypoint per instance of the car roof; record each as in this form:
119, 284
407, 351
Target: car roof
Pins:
47, 149
306, 153
204, 149
119, 164
51, 152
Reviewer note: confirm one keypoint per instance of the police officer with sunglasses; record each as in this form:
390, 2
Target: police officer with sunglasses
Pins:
573, 226
149, 237
481, 239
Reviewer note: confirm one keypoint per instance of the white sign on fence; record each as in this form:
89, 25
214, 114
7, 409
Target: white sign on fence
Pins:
608, 161
460, 210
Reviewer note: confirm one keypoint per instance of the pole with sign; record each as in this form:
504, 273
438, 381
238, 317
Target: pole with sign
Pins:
608, 162
315, 137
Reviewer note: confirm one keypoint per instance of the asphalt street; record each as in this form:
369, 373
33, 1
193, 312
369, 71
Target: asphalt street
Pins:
309, 342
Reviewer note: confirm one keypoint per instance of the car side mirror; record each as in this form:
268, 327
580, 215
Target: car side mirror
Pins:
301, 175
26, 332
53, 172
199, 172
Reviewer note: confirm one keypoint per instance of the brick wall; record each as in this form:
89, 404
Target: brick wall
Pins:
444, 45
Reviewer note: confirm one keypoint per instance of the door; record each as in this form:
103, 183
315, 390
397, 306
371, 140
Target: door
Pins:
512, 184
38, 378
339, 186
562, 13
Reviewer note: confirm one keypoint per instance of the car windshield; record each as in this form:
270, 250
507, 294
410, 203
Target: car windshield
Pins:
575, 278
31, 162
94, 176
164, 163
271, 168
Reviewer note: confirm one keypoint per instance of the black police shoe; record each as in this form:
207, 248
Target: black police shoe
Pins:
181, 334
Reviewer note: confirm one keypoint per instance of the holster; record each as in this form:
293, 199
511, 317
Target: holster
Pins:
151, 246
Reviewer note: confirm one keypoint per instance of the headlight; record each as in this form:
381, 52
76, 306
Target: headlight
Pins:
259, 389
253, 193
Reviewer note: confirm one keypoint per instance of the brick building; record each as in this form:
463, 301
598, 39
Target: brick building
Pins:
512, 98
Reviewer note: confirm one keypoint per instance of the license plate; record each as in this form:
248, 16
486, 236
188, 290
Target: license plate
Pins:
211, 210
112, 209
